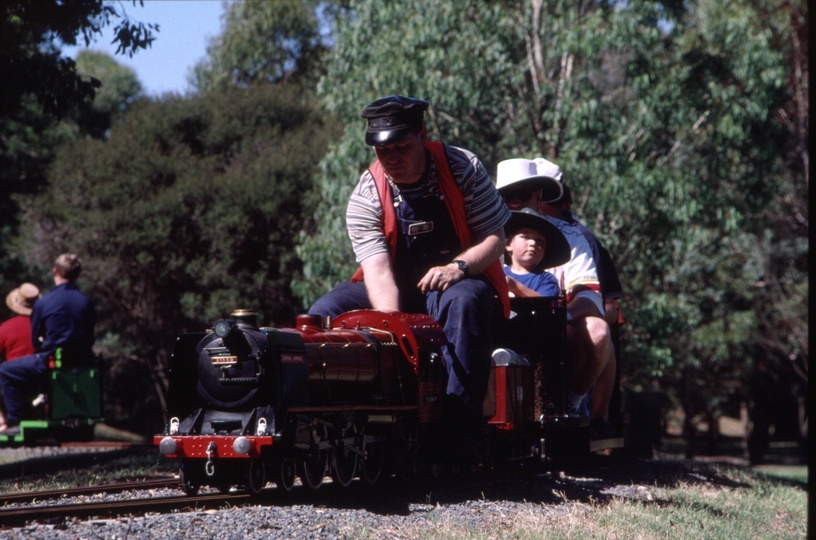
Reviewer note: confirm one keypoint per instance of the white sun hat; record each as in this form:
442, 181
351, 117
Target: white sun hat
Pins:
539, 172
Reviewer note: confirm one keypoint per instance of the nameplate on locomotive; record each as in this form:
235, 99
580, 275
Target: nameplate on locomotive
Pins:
293, 359
224, 360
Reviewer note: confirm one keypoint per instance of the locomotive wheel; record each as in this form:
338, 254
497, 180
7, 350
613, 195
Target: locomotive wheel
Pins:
187, 481
372, 464
313, 468
255, 476
344, 461
285, 474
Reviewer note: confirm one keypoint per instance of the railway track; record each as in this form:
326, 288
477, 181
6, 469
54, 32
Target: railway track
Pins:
57, 513
33, 496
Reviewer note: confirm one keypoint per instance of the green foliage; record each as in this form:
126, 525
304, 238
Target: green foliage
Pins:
119, 87
264, 41
189, 210
28, 140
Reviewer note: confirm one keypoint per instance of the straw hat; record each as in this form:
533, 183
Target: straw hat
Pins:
21, 300
541, 173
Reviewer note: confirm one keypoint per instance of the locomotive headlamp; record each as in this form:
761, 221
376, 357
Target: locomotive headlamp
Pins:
168, 446
222, 328
241, 445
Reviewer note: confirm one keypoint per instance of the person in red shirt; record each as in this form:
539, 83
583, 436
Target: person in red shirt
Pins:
15, 333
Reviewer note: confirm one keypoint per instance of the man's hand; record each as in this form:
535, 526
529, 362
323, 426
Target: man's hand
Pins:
441, 278
478, 257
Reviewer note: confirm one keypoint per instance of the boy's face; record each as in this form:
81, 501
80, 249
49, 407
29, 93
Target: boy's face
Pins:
526, 247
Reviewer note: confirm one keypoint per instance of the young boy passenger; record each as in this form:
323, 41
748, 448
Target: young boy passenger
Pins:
533, 244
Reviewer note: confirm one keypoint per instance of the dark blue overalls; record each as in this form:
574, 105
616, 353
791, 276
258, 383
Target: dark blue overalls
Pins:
426, 238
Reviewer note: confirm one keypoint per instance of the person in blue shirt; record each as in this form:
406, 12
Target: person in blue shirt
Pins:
533, 244
64, 318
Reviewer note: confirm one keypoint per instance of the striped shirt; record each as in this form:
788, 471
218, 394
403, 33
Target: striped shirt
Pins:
484, 207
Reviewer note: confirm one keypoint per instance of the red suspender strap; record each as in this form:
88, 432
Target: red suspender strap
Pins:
455, 203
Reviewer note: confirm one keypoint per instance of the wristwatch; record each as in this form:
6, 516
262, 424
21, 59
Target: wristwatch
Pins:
463, 266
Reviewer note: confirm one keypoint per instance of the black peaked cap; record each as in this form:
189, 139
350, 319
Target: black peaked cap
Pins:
391, 118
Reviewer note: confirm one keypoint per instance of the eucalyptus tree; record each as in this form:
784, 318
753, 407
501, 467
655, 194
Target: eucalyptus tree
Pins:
119, 88
270, 41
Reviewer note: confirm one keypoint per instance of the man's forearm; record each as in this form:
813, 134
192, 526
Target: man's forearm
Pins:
380, 283
482, 254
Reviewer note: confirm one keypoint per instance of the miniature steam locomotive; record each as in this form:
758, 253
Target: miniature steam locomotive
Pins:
360, 396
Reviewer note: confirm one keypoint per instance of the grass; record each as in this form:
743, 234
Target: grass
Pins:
712, 502
29, 469
792, 472
761, 508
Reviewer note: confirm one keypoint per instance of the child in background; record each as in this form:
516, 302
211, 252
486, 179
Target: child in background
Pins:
533, 243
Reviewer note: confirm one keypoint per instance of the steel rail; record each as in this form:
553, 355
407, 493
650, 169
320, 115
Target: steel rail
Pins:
19, 516
31, 496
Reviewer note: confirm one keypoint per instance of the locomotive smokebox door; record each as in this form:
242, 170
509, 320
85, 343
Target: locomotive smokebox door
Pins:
229, 365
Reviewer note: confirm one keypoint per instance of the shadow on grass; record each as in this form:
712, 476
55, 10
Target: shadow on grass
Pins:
599, 481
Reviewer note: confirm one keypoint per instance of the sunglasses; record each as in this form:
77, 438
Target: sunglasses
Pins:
522, 194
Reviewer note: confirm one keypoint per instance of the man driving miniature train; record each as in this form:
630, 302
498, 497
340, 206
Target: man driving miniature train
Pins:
427, 228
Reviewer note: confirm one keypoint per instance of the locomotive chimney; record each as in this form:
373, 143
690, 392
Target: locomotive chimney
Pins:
246, 316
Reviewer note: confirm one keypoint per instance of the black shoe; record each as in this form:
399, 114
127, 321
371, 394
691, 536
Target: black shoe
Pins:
601, 429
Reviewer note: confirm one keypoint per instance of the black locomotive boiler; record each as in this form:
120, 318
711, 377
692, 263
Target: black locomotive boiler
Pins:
358, 396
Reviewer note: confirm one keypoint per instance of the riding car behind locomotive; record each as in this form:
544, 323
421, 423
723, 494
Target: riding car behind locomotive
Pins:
66, 405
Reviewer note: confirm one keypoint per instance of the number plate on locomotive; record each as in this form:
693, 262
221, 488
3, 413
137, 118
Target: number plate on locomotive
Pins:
224, 360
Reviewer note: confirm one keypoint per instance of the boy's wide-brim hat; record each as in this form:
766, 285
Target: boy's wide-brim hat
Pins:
21, 300
558, 250
392, 118
538, 172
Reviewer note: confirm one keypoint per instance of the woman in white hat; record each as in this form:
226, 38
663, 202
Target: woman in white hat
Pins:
15, 333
